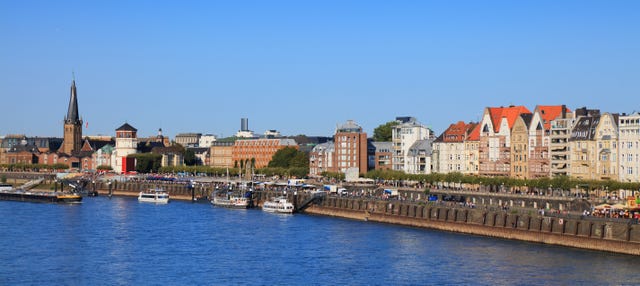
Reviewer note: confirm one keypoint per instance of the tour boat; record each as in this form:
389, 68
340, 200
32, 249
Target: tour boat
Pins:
278, 205
157, 196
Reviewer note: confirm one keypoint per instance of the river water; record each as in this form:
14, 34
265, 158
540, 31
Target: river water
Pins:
119, 241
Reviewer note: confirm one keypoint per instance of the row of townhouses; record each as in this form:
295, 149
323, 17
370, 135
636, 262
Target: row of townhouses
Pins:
509, 141
550, 141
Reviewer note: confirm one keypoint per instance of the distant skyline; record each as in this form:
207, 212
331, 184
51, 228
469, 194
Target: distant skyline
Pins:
302, 67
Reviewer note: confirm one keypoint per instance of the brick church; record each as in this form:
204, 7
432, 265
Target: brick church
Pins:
72, 150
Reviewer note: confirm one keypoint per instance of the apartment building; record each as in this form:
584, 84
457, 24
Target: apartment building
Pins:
380, 155
321, 159
629, 147
350, 147
559, 147
404, 136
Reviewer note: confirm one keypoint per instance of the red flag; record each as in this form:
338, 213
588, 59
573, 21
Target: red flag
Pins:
87, 125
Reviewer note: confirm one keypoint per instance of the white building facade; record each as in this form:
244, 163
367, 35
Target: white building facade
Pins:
629, 147
206, 140
404, 135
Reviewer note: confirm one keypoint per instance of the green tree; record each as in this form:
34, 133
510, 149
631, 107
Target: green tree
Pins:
300, 160
288, 161
282, 158
190, 157
383, 133
147, 162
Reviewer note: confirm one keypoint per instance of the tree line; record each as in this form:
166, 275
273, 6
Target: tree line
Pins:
561, 182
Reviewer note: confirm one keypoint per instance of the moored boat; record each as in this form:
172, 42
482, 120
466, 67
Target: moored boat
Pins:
39, 197
233, 202
158, 196
278, 205
228, 200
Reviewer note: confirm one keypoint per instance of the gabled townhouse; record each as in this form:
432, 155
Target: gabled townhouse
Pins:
450, 153
607, 147
582, 144
629, 147
540, 139
495, 139
520, 154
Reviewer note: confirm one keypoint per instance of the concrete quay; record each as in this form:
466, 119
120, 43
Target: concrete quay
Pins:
584, 233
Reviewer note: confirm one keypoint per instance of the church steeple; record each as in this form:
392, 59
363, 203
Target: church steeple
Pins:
72, 141
72, 113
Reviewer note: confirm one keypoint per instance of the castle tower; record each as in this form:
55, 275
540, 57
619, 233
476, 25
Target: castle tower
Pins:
72, 125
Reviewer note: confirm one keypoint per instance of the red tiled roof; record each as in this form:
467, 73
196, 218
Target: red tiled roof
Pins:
455, 132
550, 112
475, 133
511, 113
458, 132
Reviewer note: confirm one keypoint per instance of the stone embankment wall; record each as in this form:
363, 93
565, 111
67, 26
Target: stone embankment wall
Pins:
580, 233
178, 191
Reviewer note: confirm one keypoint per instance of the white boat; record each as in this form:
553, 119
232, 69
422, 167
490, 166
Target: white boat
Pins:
230, 201
157, 196
278, 205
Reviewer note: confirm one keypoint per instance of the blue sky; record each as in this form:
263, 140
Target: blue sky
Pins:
302, 67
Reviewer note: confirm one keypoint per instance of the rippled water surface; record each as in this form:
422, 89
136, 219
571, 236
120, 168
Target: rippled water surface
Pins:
119, 241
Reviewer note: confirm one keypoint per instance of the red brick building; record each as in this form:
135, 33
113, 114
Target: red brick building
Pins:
350, 148
261, 150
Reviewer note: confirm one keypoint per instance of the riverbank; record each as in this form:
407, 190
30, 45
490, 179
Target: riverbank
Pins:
577, 233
